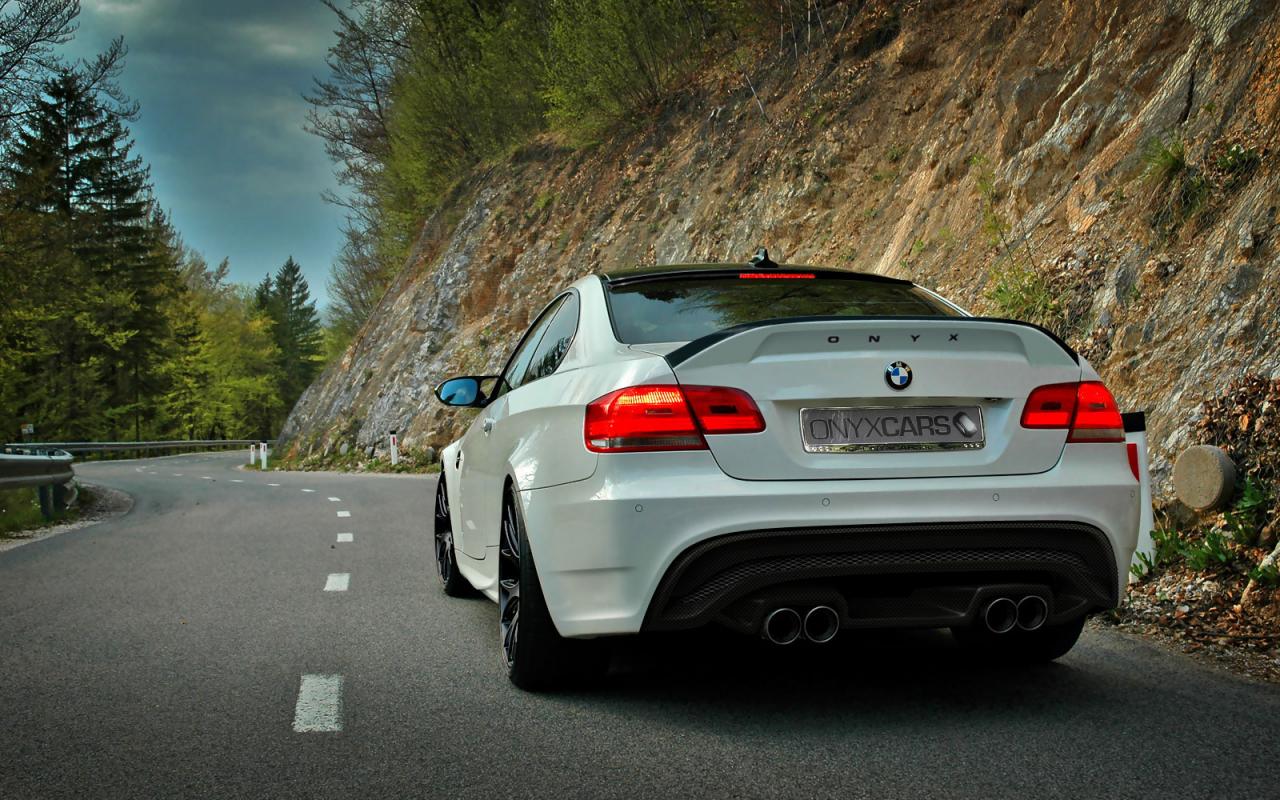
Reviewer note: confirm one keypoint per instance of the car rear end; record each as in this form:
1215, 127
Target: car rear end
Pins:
833, 451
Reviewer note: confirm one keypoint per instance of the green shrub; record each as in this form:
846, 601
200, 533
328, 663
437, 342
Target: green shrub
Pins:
609, 58
1021, 292
1164, 157
1266, 575
1179, 189
1238, 163
1210, 550
1248, 513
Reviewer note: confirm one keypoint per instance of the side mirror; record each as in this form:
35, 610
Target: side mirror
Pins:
466, 391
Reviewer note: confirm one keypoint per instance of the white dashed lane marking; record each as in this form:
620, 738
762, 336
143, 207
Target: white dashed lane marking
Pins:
346, 537
319, 708
205, 478
273, 484
335, 499
344, 513
308, 490
338, 582
177, 474
236, 480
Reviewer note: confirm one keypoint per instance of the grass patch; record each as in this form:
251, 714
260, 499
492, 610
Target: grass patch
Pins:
1163, 159
1021, 292
20, 511
1179, 190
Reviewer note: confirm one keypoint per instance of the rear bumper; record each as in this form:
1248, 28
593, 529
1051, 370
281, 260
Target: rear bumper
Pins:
625, 550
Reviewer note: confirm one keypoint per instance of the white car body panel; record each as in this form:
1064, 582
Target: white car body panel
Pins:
600, 558
604, 528
792, 366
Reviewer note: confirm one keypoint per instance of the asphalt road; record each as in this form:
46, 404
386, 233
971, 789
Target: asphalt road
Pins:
161, 654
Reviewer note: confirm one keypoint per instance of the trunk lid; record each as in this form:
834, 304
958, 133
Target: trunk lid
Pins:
954, 362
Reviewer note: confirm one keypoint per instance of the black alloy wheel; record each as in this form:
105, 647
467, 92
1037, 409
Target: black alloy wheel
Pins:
537, 657
446, 562
509, 581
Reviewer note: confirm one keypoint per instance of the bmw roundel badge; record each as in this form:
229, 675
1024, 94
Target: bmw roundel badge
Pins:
898, 375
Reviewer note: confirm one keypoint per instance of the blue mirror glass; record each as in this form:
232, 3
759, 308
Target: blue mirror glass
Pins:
459, 391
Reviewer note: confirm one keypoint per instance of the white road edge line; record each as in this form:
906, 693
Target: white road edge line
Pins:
338, 582
346, 537
344, 513
319, 708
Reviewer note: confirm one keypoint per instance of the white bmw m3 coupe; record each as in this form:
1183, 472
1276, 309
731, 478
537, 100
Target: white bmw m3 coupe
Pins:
789, 452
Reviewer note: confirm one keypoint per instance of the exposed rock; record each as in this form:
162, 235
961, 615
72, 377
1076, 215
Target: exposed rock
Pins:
1031, 123
1246, 240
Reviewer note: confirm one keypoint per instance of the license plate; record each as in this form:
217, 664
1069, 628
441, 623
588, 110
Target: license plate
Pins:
870, 430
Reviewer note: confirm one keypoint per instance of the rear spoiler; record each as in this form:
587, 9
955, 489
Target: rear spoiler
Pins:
685, 352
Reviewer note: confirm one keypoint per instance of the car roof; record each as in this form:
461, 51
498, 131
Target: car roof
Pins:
641, 274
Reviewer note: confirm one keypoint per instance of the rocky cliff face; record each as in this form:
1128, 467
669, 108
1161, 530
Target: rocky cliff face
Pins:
1107, 168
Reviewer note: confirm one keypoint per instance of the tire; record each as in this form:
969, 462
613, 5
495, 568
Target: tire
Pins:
1017, 646
451, 580
537, 657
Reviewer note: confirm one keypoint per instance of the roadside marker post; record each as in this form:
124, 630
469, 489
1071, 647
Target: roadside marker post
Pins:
395, 450
253, 453
262, 448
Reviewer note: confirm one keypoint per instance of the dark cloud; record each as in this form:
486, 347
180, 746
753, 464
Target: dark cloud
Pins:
221, 84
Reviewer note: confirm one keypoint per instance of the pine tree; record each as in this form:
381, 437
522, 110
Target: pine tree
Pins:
285, 299
187, 371
71, 173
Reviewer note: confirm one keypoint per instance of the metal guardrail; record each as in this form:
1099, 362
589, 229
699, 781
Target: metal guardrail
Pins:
46, 469
111, 447
36, 467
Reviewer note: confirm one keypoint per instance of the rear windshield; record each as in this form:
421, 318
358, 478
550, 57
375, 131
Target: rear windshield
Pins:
684, 309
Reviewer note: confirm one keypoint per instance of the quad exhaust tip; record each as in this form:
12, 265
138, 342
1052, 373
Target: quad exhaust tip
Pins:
1001, 615
1032, 612
1004, 614
782, 626
821, 624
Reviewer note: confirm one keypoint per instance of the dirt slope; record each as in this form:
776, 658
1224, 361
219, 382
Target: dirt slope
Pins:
991, 150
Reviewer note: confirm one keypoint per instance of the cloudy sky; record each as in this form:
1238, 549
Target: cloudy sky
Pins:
221, 84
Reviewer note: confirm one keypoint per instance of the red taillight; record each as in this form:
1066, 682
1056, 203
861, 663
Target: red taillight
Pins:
1133, 461
718, 409
1086, 409
1097, 417
1050, 406
667, 417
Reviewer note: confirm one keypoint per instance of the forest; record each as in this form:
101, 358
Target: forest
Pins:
110, 327
419, 92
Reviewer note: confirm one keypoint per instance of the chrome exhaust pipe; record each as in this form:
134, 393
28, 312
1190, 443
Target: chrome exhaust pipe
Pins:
782, 626
1032, 612
821, 624
1001, 615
